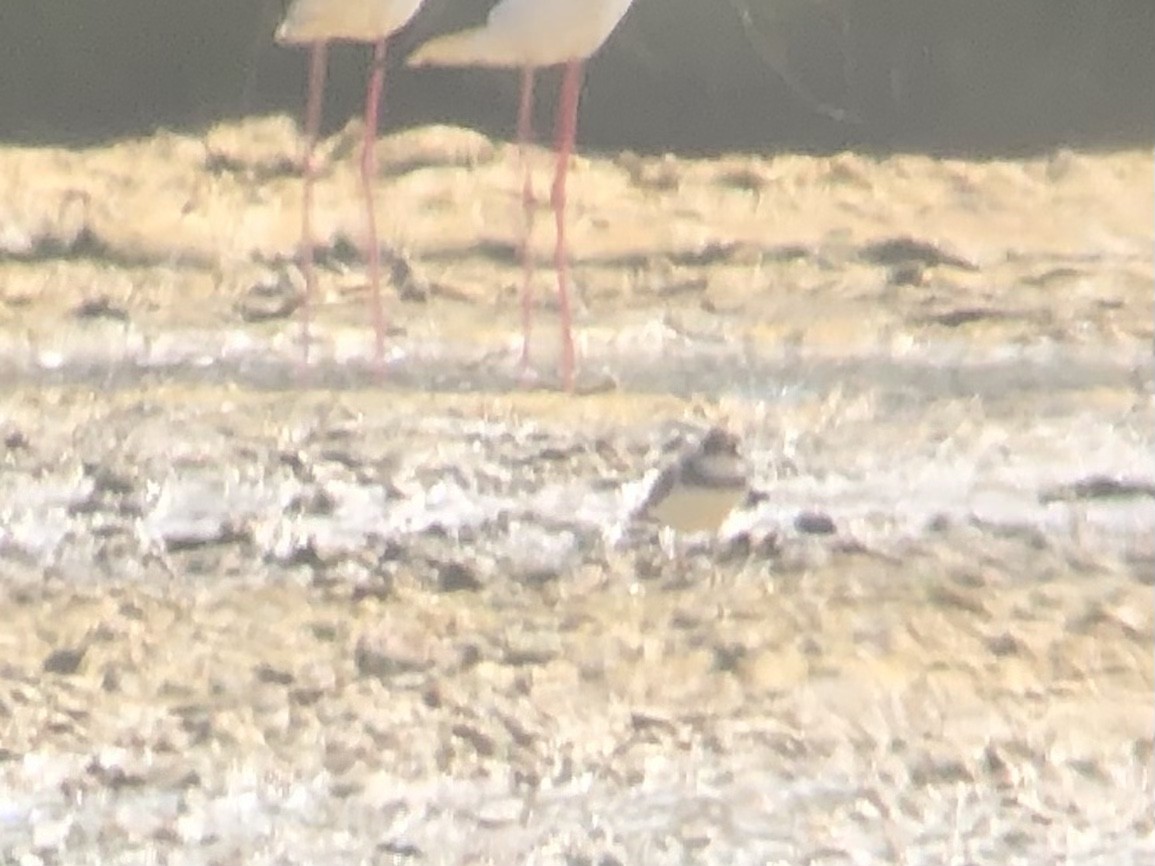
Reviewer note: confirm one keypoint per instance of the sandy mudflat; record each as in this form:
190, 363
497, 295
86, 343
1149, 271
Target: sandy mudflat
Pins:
254, 614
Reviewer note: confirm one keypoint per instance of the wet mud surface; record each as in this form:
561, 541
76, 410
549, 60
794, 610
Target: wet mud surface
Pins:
258, 612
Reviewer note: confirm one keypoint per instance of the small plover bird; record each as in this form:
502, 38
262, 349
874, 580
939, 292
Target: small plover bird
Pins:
699, 490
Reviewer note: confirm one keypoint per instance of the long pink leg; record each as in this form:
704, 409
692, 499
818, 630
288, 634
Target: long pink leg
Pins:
566, 132
528, 205
318, 58
373, 94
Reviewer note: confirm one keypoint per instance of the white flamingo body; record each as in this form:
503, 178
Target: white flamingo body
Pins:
532, 33
344, 20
